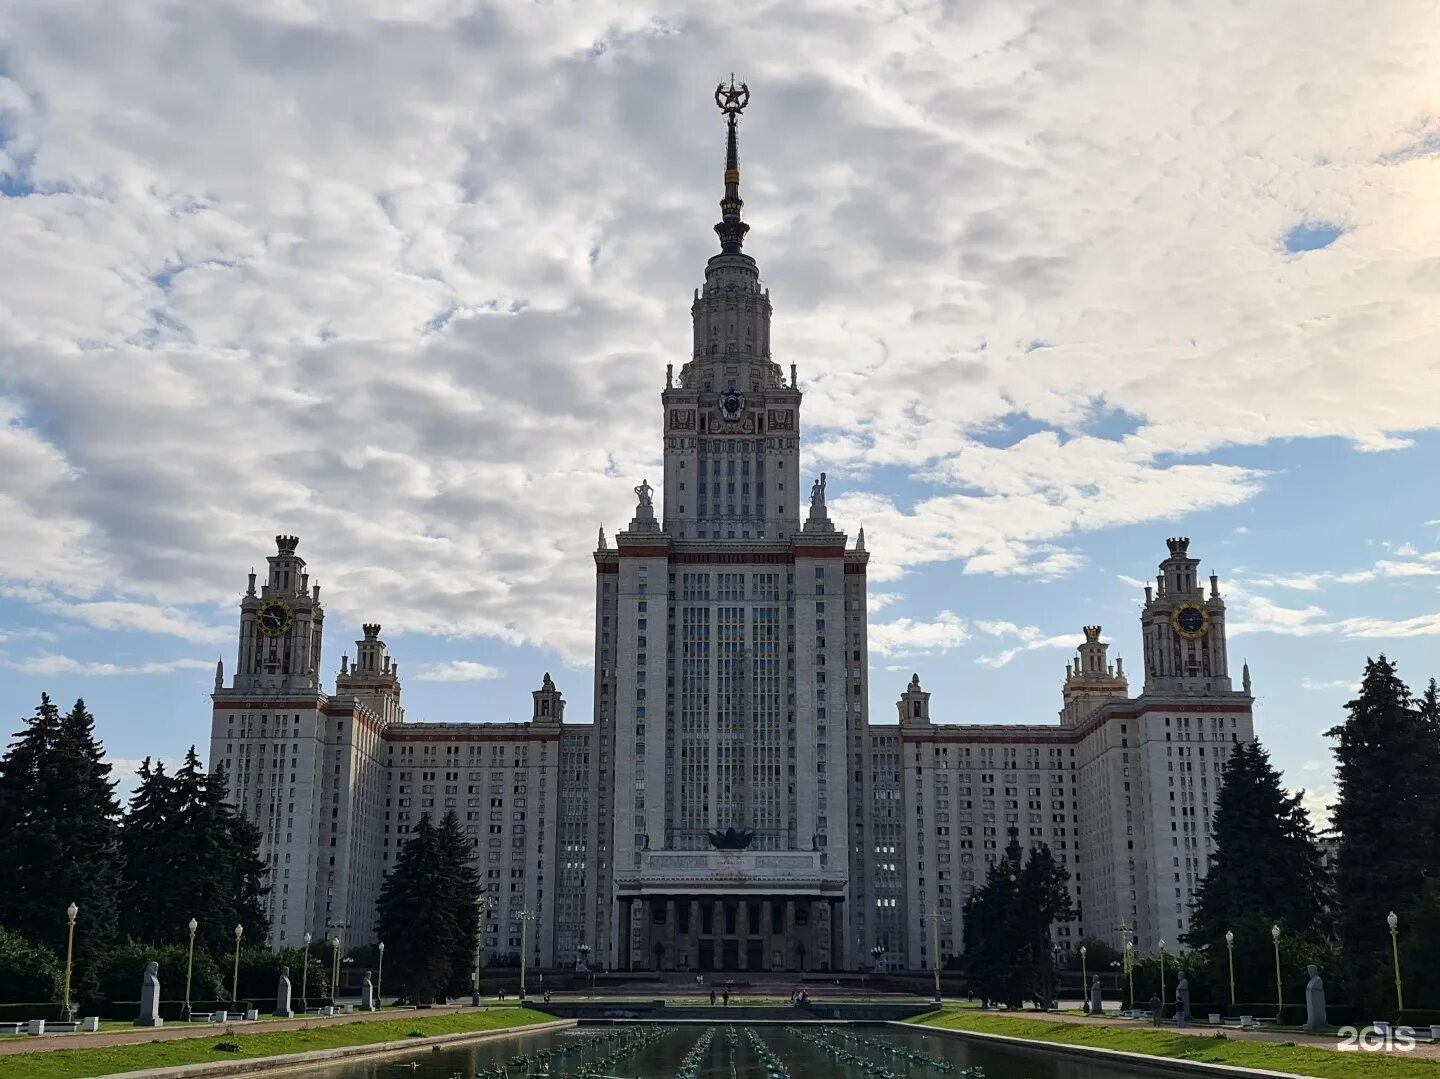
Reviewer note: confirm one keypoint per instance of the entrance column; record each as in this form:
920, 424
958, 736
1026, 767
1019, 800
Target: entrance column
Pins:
692, 938
717, 914
791, 955
742, 931
670, 935
623, 952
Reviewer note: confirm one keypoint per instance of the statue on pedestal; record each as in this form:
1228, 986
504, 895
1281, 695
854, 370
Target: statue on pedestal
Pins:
150, 997
1315, 1018
282, 996
1097, 1006
817, 497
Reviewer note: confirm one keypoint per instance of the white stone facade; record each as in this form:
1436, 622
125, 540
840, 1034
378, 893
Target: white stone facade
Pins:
731, 692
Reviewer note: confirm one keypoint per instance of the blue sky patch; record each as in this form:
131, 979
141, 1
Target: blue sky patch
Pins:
1311, 236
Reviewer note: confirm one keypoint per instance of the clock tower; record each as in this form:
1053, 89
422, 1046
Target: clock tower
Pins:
1183, 625
280, 627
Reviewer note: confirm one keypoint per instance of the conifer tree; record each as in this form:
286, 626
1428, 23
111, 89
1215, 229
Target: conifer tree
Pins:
1266, 861
180, 829
1388, 759
1008, 924
417, 921
459, 890
153, 852
240, 883
60, 818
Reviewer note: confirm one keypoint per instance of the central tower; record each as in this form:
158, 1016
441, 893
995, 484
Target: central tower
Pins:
732, 424
730, 659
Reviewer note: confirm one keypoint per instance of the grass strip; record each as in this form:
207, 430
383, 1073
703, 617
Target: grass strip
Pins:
1207, 1049
80, 1063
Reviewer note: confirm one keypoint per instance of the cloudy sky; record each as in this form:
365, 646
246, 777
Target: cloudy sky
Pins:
402, 278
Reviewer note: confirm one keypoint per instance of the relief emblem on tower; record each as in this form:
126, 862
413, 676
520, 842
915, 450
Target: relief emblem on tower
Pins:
682, 419
720, 421
782, 419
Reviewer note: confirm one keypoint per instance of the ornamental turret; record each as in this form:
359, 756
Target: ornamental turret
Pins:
1091, 679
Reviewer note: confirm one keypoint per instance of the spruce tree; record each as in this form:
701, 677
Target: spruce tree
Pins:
1266, 861
153, 852
1008, 924
60, 818
1388, 757
459, 889
181, 830
1043, 901
237, 885
417, 921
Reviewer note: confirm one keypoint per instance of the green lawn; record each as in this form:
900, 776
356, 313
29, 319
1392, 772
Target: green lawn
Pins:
79, 1063
1272, 1056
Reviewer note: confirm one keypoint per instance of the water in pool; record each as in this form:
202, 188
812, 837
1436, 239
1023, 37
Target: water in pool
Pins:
727, 1051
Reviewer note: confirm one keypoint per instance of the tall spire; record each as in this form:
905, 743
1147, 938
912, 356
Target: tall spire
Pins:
732, 100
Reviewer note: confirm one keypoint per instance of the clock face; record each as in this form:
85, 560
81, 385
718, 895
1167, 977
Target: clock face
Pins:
1190, 622
275, 618
732, 405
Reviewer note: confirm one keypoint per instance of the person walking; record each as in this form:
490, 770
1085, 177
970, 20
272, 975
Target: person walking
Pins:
712, 998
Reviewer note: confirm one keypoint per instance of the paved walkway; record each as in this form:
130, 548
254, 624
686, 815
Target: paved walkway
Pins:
116, 1033
1423, 1049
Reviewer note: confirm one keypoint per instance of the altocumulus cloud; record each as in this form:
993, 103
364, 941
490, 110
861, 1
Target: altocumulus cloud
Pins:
406, 283
459, 670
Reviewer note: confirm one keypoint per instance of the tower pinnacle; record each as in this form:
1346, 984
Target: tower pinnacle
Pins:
732, 100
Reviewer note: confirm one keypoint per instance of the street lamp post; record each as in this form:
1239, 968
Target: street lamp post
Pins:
1084, 976
235, 978
483, 905
305, 976
1130, 969
1162, 978
525, 916
1230, 952
935, 919
1394, 924
380, 973
70, 913
1279, 990
585, 958
190, 965
336, 947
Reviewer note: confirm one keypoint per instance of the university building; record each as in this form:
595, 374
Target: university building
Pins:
731, 805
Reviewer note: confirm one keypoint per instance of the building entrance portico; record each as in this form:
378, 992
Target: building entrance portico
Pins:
730, 933
731, 910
